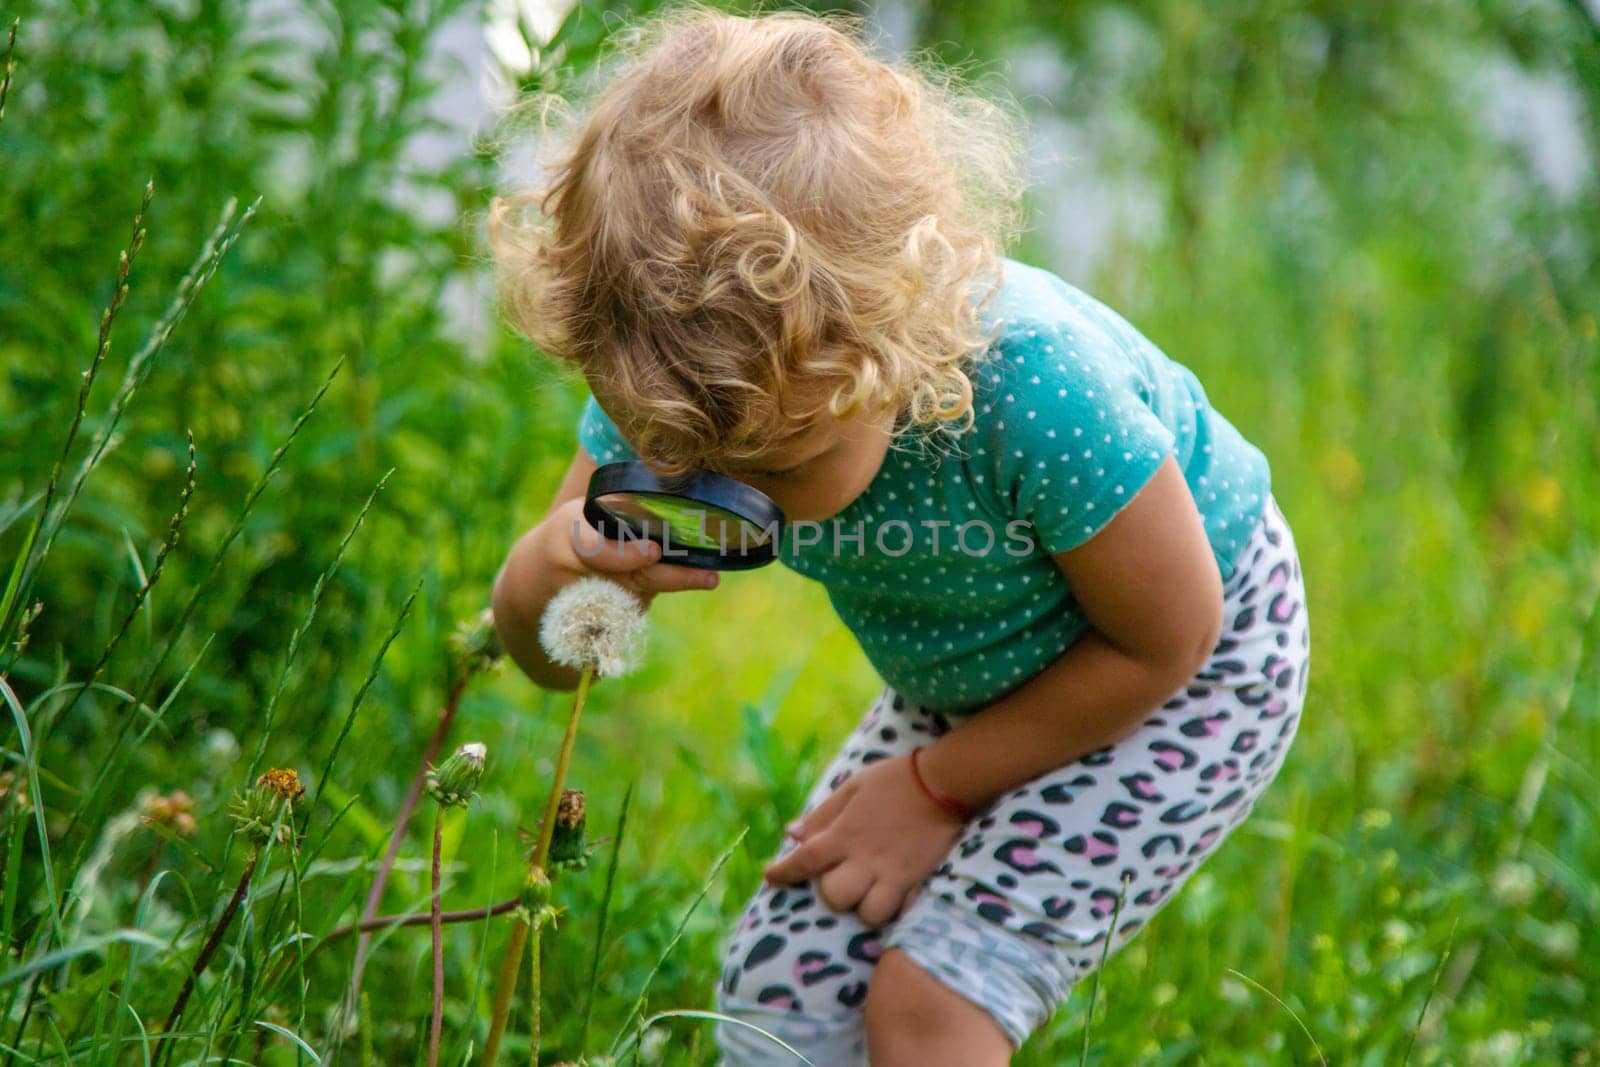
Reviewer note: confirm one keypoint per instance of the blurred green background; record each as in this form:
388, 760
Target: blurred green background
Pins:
1372, 229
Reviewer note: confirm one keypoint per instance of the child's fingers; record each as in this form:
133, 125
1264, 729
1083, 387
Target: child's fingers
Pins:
673, 578
881, 903
806, 861
843, 887
600, 553
818, 818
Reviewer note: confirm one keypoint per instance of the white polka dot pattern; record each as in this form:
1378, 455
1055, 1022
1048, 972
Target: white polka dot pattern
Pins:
942, 568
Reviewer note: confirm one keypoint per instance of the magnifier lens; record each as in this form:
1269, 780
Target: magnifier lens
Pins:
720, 523
684, 522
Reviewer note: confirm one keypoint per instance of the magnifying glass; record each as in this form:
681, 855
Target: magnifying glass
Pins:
700, 519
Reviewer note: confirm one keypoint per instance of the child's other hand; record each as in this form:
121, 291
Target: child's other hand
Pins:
871, 843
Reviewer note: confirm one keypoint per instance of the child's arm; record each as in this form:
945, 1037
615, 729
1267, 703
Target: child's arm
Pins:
1149, 584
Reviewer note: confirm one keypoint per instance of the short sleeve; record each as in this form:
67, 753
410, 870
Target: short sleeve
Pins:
599, 437
1069, 429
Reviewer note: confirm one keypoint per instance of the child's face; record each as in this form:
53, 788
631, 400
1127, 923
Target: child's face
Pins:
819, 474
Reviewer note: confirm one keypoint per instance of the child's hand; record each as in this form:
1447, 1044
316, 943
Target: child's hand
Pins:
578, 549
871, 843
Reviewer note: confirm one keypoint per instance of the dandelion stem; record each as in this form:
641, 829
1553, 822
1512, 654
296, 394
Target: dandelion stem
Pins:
547, 827
510, 966
436, 1025
534, 978
210, 947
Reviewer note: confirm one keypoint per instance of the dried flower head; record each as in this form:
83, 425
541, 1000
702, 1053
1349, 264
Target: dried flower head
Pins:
14, 792
455, 780
173, 811
475, 646
567, 852
263, 814
594, 623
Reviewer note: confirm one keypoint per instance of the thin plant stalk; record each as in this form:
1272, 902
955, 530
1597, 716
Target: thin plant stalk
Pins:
17, 587
436, 1024
209, 949
419, 918
534, 984
408, 807
552, 804
1094, 988
510, 966
11, 65
605, 911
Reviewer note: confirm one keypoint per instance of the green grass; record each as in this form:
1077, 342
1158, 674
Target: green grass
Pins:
1377, 292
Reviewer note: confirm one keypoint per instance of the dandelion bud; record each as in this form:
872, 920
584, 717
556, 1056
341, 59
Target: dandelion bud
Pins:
455, 780
263, 813
566, 839
475, 645
594, 623
536, 891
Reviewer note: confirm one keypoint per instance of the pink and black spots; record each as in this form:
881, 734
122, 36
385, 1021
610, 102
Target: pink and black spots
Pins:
865, 946
1172, 757
1050, 871
1141, 786
1021, 854
989, 903
1121, 816
1206, 726
1034, 824
1063, 792
1099, 847
817, 965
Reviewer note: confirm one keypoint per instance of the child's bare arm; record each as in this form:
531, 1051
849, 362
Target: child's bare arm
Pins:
546, 560
1149, 585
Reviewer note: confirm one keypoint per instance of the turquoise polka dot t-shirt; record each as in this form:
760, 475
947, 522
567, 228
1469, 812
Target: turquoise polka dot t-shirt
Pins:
942, 566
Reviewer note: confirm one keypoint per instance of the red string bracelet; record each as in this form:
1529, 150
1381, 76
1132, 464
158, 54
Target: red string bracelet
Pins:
944, 800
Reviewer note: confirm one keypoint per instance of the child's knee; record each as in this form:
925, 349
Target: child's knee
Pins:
913, 1017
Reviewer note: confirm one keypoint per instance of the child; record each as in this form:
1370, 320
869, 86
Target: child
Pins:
775, 256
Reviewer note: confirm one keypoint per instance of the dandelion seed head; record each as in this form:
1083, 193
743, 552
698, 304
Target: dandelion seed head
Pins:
594, 622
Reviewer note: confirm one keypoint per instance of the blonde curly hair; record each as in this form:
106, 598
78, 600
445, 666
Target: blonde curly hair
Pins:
757, 220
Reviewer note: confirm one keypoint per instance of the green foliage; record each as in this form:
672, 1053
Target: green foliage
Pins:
1380, 293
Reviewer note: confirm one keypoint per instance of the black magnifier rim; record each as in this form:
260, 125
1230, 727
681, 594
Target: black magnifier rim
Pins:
696, 487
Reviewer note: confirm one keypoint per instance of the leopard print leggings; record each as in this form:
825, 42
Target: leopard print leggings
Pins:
1020, 909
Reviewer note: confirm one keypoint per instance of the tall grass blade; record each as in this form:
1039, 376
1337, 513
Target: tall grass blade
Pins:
1433, 986
11, 65
109, 762
1304, 1029
677, 935
712, 1016
299, 633
30, 761
1094, 986
174, 529
605, 915
27, 562
360, 695
90, 946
